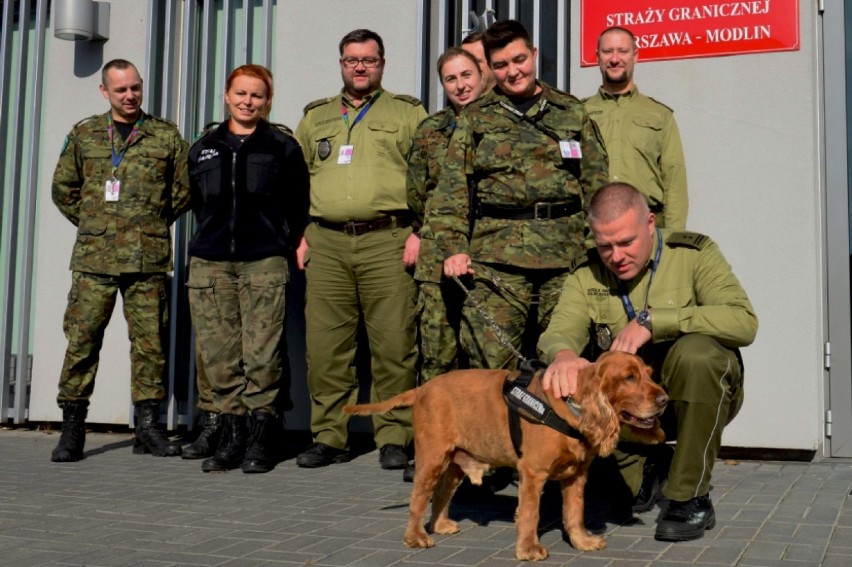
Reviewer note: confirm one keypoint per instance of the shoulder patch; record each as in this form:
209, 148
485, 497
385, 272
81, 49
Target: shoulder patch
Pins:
661, 104
318, 102
281, 128
208, 128
413, 100
688, 239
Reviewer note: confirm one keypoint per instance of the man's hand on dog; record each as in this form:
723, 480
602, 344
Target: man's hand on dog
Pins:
631, 338
561, 376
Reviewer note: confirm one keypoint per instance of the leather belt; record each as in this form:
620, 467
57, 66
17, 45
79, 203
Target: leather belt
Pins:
357, 228
538, 211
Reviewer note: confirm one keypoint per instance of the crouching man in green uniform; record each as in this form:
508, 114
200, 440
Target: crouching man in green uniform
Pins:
122, 181
671, 298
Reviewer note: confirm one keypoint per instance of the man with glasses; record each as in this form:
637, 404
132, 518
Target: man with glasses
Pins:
358, 251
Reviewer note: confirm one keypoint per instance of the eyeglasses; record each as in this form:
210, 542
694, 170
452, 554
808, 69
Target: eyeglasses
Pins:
368, 62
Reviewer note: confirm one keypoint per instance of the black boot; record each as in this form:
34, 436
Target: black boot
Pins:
262, 453
232, 448
150, 437
70, 446
208, 440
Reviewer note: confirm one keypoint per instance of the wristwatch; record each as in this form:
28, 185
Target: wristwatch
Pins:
644, 319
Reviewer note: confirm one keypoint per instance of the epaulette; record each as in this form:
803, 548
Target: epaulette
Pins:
565, 94
318, 102
281, 128
579, 261
413, 100
688, 239
160, 119
670, 109
86, 119
208, 128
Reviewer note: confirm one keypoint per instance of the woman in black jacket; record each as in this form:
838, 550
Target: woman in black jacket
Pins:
249, 186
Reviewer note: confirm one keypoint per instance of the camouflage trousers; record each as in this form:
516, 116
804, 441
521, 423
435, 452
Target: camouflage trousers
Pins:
90, 305
203, 390
237, 310
519, 301
439, 311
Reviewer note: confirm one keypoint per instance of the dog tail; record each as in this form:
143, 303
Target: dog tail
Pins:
403, 400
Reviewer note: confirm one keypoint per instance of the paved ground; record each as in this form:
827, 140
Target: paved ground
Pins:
119, 509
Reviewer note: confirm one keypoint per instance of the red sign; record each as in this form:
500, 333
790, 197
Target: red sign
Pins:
677, 29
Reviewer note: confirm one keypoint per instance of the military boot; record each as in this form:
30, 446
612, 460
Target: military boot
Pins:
150, 437
73, 438
232, 448
208, 440
262, 453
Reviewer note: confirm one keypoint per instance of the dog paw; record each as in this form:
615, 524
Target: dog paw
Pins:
419, 540
535, 552
587, 542
446, 527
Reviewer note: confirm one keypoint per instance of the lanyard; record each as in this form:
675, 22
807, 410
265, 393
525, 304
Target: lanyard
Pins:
625, 299
345, 112
116, 158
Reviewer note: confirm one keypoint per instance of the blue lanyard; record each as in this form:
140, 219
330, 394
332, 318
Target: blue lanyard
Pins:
117, 157
345, 112
625, 299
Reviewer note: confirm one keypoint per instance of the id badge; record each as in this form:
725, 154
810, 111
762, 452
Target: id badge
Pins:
344, 156
112, 190
603, 336
570, 149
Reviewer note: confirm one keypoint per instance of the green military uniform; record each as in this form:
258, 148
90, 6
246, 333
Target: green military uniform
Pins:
701, 316
354, 262
439, 300
122, 245
643, 144
525, 218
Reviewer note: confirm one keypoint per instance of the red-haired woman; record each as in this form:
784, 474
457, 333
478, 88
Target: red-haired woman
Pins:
249, 185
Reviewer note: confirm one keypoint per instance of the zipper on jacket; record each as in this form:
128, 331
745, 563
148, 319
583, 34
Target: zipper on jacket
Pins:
234, 197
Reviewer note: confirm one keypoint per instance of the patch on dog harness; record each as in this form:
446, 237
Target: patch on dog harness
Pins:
522, 403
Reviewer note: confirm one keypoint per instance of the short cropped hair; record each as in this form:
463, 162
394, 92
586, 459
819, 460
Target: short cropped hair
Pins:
474, 37
613, 200
360, 36
120, 64
617, 29
503, 32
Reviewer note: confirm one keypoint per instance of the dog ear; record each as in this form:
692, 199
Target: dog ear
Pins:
599, 422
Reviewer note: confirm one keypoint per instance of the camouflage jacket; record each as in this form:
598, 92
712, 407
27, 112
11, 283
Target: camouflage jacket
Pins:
130, 235
427, 155
500, 159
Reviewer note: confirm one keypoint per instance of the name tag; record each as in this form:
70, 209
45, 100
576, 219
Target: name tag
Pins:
344, 156
112, 189
570, 149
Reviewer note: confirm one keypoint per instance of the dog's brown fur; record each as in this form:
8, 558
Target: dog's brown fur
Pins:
461, 428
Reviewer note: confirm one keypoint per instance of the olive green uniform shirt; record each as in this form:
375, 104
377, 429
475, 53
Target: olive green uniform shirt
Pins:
693, 291
515, 162
427, 156
373, 184
643, 144
130, 235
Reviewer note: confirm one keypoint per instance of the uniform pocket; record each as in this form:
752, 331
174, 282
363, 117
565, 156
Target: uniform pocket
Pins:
156, 244
202, 303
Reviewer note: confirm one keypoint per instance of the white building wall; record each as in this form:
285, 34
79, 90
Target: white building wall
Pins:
749, 130
749, 127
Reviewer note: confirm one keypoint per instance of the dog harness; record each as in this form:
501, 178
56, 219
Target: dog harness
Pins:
522, 403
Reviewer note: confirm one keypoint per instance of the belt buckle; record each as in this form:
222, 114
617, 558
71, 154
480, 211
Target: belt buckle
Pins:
350, 228
538, 207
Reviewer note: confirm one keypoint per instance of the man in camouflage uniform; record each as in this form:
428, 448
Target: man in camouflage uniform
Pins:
439, 299
122, 181
357, 252
641, 135
522, 163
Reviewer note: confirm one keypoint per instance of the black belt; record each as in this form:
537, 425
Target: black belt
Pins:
656, 208
356, 228
538, 211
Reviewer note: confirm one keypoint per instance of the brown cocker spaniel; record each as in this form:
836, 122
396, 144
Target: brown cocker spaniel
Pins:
461, 428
